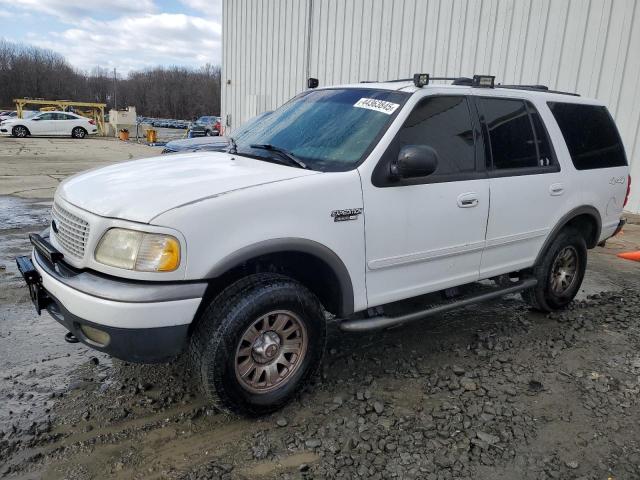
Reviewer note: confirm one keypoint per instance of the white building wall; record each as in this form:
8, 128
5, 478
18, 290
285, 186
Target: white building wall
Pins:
591, 47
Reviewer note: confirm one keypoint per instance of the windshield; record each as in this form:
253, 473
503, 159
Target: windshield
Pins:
249, 125
328, 130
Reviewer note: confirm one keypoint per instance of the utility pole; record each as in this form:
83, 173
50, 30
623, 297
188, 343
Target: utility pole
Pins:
115, 90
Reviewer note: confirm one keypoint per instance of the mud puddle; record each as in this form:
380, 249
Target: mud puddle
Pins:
491, 391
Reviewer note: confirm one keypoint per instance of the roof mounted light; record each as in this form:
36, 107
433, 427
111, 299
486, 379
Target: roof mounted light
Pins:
483, 81
420, 79
312, 83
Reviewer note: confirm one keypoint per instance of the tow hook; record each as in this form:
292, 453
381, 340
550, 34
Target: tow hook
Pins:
70, 338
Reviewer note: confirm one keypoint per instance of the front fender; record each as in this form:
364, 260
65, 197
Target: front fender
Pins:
292, 215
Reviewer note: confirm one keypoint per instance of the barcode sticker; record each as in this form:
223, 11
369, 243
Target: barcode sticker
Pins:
377, 105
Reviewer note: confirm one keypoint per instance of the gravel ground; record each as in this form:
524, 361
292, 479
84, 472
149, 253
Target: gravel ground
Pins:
495, 392
491, 392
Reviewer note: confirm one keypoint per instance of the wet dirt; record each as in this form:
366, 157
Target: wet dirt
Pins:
494, 391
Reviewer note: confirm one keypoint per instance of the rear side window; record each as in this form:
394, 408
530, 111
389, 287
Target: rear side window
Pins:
517, 137
443, 123
590, 134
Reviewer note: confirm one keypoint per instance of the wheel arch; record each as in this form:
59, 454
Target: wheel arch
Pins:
585, 219
20, 125
311, 263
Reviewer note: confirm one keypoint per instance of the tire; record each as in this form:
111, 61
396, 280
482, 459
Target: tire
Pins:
558, 281
20, 131
78, 132
231, 362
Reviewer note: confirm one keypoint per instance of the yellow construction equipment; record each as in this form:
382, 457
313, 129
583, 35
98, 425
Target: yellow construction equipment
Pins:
86, 109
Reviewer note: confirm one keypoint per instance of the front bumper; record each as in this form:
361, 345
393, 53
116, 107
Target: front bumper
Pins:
146, 322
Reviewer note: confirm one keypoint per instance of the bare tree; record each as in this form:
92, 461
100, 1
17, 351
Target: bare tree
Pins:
168, 92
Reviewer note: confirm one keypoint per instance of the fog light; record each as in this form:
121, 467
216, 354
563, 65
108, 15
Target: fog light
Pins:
98, 337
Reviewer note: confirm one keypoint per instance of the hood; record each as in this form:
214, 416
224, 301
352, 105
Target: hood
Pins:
143, 189
189, 143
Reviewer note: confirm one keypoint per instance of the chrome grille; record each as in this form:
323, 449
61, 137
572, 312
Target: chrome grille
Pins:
72, 231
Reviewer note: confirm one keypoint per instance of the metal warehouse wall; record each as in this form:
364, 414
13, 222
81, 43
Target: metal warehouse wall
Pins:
588, 46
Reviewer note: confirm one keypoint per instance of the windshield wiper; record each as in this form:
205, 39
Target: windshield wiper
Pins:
283, 153
233, 148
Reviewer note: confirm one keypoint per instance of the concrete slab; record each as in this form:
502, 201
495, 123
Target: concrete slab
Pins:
33, 167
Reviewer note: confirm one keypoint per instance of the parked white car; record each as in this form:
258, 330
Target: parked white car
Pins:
6, 115
352, 200
49, 124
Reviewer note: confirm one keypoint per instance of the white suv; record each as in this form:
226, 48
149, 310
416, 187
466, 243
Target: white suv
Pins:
346, 201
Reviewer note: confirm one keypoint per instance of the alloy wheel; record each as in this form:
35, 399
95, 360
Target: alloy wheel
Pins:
564, 270
270, 351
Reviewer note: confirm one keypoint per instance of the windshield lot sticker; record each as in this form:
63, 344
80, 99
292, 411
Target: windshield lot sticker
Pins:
377, 105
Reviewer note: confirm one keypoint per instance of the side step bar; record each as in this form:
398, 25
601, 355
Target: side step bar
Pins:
376, 323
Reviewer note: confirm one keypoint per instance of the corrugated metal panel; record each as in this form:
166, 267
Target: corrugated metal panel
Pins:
263, 56
587, 46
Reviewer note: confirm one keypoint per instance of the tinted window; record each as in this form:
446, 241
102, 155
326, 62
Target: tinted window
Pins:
444, 124
590, 134
48, 116
511, 135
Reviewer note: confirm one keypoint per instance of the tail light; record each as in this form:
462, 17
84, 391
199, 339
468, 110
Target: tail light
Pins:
626, 197
92, 121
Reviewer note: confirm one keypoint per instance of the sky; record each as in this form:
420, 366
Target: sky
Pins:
123, 34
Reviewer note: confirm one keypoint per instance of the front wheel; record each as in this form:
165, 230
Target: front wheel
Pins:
19, 131
258, 343
78, 132
559, 273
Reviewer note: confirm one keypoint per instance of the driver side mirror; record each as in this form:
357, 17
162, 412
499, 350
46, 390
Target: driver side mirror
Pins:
35, 119
414, 161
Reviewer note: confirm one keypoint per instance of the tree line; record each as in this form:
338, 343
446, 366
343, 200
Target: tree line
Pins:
164, 92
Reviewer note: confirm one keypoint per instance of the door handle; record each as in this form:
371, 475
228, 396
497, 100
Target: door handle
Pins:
468, 200
556, 189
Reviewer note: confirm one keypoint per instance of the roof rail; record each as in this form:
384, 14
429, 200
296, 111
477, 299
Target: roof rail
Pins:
536, 88
485, 81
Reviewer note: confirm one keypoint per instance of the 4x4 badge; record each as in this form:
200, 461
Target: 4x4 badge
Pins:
346, 214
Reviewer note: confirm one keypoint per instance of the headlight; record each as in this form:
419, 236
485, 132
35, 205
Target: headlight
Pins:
133, 250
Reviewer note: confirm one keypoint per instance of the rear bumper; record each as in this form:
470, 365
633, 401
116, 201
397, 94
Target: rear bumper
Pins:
146, 322
621, 224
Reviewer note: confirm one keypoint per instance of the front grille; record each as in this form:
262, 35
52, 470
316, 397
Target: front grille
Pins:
72, 231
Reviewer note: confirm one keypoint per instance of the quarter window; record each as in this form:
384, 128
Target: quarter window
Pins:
444, 124
590, 134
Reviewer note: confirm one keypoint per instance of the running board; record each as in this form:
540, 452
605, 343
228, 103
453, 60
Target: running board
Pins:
376, 323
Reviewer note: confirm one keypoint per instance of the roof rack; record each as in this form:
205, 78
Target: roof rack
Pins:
463, 80
479, 81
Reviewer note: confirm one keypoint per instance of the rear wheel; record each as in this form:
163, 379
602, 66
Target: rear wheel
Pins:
258, 343
19, 131
78, 132
560, 272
